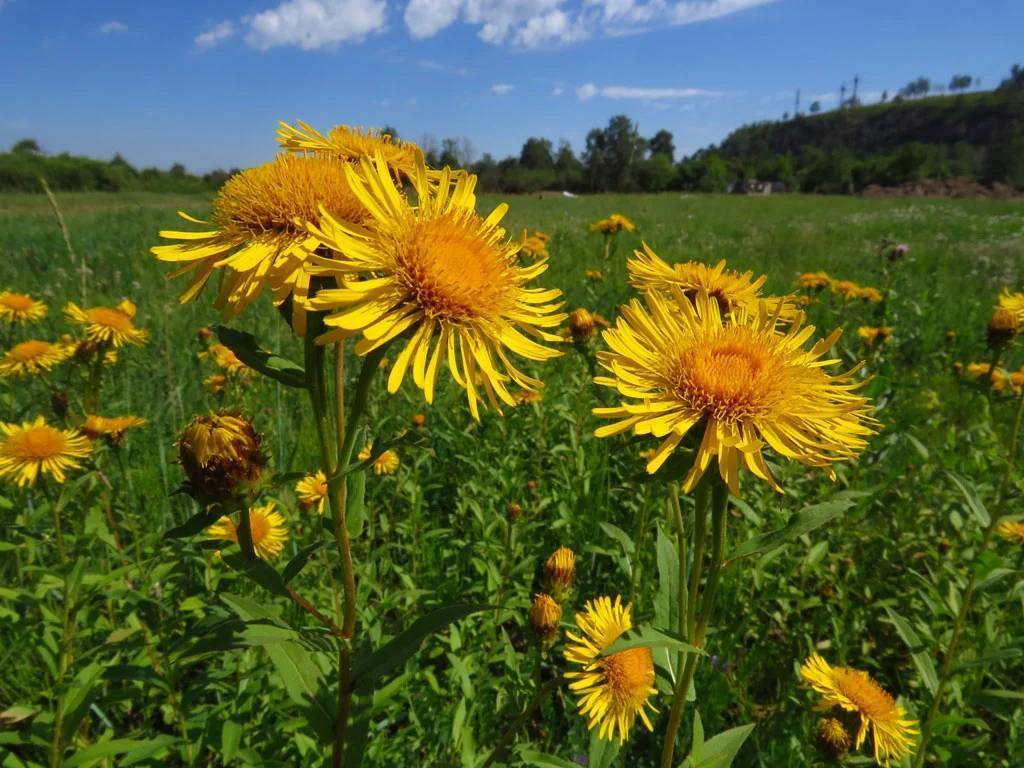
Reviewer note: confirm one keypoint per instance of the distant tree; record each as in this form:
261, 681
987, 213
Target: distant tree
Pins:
27, 147
568, 170
657, 173
595, 161
178, 170
885, 96
536, 154
456, 152
391, 131
662, 143
1015, 82
487, 173
623, 149
815, 107
960, 83
714, 176
919, 87
785, 116
842, 96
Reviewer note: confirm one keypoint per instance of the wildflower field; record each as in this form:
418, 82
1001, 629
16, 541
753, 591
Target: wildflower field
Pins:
508, 491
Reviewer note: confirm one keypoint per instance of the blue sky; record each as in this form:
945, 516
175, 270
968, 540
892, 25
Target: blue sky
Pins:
204, 83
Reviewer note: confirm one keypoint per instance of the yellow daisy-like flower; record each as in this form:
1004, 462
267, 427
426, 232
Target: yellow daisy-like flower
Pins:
545, 615
216, 383
648, 272
257, 233
1003, 381
892, 733
595, 275
535, 245
871, 295
108, 325
613, 689
20, 308
814, 281
874, 335
443, 276
1011, 530
226, 359
385, 464
312, 490
977, 370
33, 356
846, 288
349, 144
745, 383
266, 525
99, 426
34, 447
613, 224
1013, 302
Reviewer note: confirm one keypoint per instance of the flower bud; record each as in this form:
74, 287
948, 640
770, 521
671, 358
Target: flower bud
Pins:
221, 456
832, 738
419, 420
1002, 328
545, 615
560, 570
581, 326
513, 511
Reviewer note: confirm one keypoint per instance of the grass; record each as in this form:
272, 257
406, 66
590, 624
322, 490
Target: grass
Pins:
438, 532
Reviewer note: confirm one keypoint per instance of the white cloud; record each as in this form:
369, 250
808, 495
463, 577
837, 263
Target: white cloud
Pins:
214, 35
437, 66
501, 88
590, 91
536, 23
556, 91
110, 27
313, 24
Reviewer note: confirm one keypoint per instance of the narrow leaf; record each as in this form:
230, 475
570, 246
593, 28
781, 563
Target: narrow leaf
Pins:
918, 652
720, 750
970, 494
273, 366
804, 521
648, 637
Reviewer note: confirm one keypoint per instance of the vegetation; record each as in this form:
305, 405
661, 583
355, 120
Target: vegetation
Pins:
128, 636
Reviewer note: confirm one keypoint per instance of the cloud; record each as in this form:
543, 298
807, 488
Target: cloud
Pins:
501, 88
214, 35
556, 91
590, 91
537, 23
313, 24
111, 27
437, 66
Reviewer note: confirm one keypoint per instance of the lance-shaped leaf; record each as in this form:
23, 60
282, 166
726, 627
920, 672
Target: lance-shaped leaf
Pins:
649, 637
273, 366
804, 521
918, 650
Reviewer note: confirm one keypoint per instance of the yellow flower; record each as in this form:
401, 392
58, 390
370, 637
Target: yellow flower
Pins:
312, 490
99, 426
977, 370
833, 738
744, 384
613, 689
1011, 530
595, 275
874, 335
266, 526
560, 570
529, 396
349, 144
221, 455
108, 325
443, 276
216, 383
846, 288
1013, 302
613, 224
33, 356
385, 464
854, 691
34, 447
648, 272
226, 359
1003, 381
545, 615
535, 246
257, 233
870, 295
1003, 326
20, 308
814, 281
581, 325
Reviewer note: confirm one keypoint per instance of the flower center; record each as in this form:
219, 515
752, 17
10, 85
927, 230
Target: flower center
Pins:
270, 197
39, 443
110, 318
453, 270
729, 378
19, 302
29, 351
630, 673
259, 526
865, 693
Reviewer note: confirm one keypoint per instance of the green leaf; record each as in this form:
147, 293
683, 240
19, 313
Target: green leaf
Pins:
133, 749
305, 685
666, 602
970, 494
719, 751
542, 760
246, 349
79, 697
259, 571
297, 563
918, 652
602, 751
230, 739
198, 522
620, 536
804, 521
649, 637
399, 649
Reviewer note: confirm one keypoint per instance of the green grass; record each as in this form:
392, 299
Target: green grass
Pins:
437, 532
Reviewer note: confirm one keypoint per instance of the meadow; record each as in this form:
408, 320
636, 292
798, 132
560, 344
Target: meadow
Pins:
121, 645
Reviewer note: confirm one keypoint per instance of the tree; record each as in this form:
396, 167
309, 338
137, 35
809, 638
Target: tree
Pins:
388, 130
595, 162
919, 87
623, 149
536, 154
815, 107
568, 170
960, 83
662, 143
714, 176
456, 152
657, 173
1015, 82
27, 147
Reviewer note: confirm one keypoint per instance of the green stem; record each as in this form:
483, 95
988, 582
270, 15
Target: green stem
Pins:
953, 651
698, 619
245, 534
539, 692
